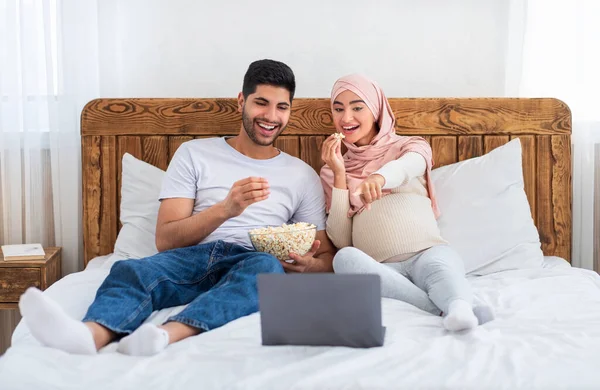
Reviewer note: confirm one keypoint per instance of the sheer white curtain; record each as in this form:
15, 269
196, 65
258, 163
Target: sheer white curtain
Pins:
556, 44
49, 70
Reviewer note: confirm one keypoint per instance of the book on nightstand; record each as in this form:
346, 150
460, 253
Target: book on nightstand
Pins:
23, 252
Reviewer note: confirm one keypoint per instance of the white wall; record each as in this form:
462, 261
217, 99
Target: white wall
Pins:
200, 48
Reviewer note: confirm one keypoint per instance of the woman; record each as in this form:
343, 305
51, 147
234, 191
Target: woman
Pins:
382, 210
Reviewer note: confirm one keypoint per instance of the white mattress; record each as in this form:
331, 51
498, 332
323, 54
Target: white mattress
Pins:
546, 335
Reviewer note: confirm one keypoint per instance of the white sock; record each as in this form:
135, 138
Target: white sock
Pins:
146, 340
52, 327
460, 316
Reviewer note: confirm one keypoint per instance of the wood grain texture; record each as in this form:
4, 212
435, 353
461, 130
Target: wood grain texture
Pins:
561, 195
481, 116
545, 215
14, 282
99, 195
469, 146
131, 145
192, 116
91, 196
444, 150
457, 129
310, 151
52, 271
554, 194
109, 220
9, 318
457, 116
491, 142
175, 142
155, 151
289, 144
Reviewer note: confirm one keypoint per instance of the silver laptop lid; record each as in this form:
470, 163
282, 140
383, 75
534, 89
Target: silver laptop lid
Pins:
320, 309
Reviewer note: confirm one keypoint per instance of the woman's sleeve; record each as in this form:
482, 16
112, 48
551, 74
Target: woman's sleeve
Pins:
339, 225
399, 172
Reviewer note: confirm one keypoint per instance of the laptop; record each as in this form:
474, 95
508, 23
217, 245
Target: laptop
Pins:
321, 309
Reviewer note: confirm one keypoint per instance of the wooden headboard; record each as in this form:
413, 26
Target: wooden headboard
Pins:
458, 129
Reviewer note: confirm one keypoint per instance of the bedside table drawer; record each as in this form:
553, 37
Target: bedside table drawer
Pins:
14, 282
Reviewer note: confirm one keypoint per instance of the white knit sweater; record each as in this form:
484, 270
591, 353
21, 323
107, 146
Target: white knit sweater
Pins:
398, 225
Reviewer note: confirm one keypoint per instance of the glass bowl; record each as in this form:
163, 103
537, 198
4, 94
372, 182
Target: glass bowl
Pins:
279, 241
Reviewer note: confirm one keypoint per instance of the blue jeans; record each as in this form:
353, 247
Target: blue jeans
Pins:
217, 281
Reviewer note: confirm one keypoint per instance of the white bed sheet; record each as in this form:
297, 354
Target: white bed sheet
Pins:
546, 336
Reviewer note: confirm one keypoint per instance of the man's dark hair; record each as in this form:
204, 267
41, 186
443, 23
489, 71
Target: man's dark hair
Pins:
268, 72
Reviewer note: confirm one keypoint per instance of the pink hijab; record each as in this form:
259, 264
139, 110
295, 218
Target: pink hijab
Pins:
361, 161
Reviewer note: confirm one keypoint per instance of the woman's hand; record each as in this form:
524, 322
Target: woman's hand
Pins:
370, 189
331, 154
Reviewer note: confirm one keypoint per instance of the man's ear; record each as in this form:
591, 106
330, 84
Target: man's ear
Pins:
240, 102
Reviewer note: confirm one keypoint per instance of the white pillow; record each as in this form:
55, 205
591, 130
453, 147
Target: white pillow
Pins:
140, 188
485, 214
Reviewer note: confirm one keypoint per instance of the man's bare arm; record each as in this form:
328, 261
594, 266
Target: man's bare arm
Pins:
176, 227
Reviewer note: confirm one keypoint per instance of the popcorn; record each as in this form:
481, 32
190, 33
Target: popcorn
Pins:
339, 136
279, 241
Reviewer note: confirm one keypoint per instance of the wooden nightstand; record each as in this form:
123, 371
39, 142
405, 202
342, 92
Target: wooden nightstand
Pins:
17, 276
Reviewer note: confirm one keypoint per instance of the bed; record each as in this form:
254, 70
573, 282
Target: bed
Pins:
547, 330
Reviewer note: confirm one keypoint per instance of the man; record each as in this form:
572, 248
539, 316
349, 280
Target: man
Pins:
214, 191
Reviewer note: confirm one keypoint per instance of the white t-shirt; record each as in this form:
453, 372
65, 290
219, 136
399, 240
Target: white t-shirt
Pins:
205, 169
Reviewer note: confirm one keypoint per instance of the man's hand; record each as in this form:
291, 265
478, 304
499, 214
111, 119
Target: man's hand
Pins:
370, 189
306, 263
243, 193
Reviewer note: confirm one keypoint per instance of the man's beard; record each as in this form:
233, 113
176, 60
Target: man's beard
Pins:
249, 127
